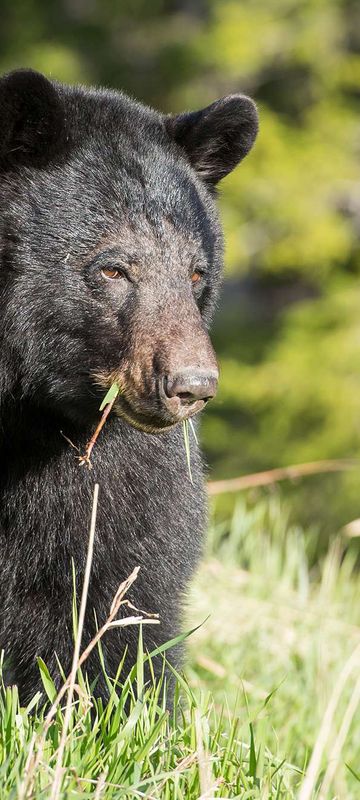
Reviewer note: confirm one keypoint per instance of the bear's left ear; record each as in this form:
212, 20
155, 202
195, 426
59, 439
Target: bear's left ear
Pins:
218, 137
32, 120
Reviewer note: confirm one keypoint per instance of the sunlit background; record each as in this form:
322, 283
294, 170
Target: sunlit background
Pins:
280, 583
288, 330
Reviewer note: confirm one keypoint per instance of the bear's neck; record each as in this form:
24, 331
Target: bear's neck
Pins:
35, 435
46, 493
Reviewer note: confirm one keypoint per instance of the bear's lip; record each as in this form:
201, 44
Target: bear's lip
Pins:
149, 422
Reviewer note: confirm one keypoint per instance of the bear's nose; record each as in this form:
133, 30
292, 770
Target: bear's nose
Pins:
189, 386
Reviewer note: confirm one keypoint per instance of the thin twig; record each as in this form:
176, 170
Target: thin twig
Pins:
280, 474
85, 459
69, 441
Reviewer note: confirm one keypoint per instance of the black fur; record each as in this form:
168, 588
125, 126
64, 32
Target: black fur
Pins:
88, 179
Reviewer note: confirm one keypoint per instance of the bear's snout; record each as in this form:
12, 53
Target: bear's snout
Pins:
188, 390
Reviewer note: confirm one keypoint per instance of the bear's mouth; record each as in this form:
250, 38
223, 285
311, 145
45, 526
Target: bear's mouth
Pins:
148, 422
148, 413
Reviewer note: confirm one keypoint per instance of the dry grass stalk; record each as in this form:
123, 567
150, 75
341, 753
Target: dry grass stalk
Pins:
280, 474
308, 786
74, 667
85, 459
26, 789
340, 740
101, 784
205, 772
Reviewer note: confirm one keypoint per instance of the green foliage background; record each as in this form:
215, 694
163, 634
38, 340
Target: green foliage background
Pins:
288, 333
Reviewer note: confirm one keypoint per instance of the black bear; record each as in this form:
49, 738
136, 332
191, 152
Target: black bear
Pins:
111, 256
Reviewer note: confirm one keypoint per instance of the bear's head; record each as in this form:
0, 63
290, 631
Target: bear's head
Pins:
111, 248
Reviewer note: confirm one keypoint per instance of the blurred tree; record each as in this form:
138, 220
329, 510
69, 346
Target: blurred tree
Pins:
291, 212
284, 209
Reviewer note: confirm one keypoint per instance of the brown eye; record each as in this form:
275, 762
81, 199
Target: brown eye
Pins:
111, 273
195, 278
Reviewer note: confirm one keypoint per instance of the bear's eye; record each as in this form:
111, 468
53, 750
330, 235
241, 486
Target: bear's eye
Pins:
112, 273
196, 277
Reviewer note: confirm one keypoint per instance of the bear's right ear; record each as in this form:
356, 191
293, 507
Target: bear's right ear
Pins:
32, 119
216, 138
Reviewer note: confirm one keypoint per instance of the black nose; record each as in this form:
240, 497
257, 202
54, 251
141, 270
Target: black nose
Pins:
190, 385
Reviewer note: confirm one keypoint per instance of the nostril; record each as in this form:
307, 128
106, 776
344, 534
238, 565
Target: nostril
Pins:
186, 398
190, 386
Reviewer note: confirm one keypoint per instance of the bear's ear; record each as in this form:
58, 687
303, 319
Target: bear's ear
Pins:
218, 137
31, 119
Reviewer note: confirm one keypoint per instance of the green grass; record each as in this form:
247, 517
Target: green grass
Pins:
245, 720
143, 752
277, 626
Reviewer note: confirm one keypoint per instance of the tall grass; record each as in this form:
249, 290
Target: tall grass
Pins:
281, 627
268, 706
